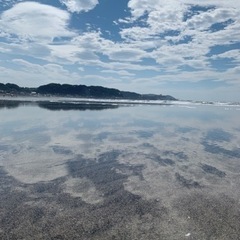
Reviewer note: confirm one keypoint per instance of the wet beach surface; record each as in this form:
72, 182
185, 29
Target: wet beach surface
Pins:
119, 171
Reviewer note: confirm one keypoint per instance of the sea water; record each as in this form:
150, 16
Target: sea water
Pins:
91, 169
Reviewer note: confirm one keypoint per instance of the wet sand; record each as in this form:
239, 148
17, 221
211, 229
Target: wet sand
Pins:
140, 180
101, 208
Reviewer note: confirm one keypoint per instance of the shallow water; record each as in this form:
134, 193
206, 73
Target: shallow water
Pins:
90, 170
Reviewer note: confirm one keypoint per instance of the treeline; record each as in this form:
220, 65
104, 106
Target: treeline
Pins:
84, 91
14, 88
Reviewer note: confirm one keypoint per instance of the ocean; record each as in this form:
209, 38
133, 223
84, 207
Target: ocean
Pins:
108, 169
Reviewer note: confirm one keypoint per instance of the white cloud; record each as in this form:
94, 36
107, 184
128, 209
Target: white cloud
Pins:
136, 33
171, 40
35, 21
83, 48
126, 66
126, 54
93, 41
3, 50
165, 15
121, 72
65, 53
30, 74
34, 50
79, 5
141, 7
218, 3
232, 54
205, 20
176, 56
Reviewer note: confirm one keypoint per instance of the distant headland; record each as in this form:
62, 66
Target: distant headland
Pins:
83, 91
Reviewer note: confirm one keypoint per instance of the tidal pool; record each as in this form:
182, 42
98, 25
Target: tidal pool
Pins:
119, 170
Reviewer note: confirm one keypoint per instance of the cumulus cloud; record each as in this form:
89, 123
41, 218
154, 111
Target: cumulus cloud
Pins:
167, 7
166, 15
79, 5
159, 37
217, 3
205, 20
32, 20
126, 54
83, 48
121, 72
31, 74
232, 54
141, 7
176, 35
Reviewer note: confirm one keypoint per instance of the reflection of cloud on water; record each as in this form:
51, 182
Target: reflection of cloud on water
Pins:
99, 174
218, 135
83, 188
35, 166
156, 138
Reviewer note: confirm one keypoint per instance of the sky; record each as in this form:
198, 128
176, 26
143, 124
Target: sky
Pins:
188, 49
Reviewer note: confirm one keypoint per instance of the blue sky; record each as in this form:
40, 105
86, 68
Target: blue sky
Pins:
188, 49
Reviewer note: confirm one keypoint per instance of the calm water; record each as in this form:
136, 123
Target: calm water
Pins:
119, 171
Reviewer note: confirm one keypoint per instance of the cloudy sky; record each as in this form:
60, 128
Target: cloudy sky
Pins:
186, 48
